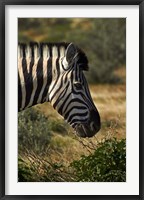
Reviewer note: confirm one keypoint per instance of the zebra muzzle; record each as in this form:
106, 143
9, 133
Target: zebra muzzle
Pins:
91, 127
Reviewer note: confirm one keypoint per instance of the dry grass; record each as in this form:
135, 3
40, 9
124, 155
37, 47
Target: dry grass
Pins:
111, 103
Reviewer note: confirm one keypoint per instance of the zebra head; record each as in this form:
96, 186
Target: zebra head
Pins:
69, 93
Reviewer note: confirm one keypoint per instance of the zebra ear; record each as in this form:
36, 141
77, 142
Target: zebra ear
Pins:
70, 52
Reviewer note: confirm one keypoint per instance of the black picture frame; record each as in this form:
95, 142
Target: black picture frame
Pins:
2, 92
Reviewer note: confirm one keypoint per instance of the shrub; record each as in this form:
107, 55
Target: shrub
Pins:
58, 126
106, 164
33, 131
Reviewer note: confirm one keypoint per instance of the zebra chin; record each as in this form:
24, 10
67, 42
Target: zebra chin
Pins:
90, 127
85, 130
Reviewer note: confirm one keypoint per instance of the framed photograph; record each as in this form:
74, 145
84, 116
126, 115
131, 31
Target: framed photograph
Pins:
71, 99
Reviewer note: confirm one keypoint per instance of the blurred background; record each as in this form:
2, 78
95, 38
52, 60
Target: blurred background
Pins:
44, 134
103, 41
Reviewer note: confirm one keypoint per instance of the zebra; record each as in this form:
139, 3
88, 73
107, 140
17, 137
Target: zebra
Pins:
53, 72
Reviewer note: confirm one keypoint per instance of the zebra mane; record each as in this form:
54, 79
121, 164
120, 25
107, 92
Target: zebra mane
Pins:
82, 56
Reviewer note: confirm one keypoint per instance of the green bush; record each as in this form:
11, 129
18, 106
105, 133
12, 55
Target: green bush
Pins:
33, 131
58, 126
106, 164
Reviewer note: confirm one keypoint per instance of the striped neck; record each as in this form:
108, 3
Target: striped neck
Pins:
37, 66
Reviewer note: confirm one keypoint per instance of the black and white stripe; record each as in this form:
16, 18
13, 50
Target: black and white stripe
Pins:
54, 73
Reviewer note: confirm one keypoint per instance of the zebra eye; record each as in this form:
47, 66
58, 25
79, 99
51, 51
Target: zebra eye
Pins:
78, 85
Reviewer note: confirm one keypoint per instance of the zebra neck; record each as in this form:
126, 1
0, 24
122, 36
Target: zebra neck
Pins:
36, 72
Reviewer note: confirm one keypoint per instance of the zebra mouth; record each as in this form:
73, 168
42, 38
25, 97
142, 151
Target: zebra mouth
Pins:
84, 130
90, 127
80, 131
